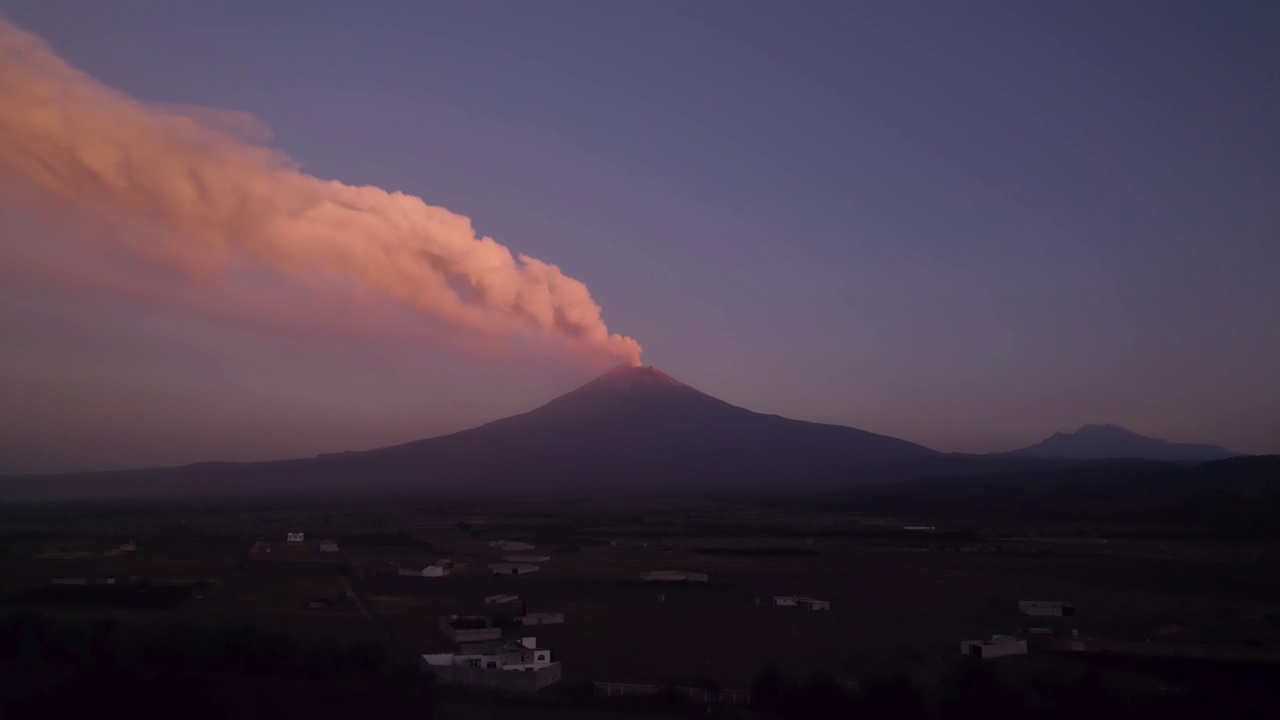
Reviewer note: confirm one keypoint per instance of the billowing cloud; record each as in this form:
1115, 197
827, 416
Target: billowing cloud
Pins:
193, 194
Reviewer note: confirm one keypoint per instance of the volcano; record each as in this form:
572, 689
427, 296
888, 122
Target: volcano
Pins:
631, 429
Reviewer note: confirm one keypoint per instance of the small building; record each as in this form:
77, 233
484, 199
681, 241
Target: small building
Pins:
434, 570
541, 618
468, 628
807, 603
997, 646
1046, 608
919, 528
670, 576
328, 546
295, 537
504, 568
128, 547
526, 558
501, 599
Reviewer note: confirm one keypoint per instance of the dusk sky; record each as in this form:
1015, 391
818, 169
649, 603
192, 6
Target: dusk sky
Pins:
947, 222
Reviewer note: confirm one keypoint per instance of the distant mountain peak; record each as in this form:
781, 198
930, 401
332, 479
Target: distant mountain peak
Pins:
1098, 441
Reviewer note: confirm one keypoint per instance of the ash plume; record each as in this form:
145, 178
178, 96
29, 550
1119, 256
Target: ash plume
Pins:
193, 193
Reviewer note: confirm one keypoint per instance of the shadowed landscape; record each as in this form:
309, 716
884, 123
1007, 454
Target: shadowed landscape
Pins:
323, 391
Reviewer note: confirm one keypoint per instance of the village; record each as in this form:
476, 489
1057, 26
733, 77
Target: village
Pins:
492, 650
531, 613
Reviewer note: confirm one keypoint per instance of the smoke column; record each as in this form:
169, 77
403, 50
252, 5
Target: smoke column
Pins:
195, 192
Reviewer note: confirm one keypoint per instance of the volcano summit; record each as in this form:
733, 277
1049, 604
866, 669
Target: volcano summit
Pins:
631, 429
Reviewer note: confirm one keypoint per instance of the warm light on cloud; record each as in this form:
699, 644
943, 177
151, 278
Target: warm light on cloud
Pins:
189, 193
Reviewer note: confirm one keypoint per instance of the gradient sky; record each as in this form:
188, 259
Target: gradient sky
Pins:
948, 222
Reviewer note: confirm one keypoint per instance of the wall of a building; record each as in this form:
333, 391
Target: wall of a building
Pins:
511, 680
996, 650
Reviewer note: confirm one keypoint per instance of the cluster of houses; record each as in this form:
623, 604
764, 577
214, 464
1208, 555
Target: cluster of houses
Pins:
482, 658
1005, 645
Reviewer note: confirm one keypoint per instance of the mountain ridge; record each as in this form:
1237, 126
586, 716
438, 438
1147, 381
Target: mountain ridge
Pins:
631, 427
1104, 441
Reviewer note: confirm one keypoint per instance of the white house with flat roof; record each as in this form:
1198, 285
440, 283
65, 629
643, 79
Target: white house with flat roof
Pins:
507, 664
494, 655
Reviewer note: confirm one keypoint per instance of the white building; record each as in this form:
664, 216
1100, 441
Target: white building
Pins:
997, 646
295, 537
541, 618
514, 666
328, 546
673, 576
128, 547
428, 571
501, 599
800, 601
513, 568
1046, 608
494, 655
525, 558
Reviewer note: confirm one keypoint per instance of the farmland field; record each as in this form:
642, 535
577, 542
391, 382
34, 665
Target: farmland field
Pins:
899, 600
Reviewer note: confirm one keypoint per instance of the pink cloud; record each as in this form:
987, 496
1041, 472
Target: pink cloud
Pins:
199, 212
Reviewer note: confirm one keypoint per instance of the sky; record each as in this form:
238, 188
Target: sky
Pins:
965, 225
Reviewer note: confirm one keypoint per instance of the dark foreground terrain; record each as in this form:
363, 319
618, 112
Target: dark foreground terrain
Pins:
215, 613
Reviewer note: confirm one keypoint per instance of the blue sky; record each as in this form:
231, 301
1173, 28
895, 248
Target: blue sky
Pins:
961, 225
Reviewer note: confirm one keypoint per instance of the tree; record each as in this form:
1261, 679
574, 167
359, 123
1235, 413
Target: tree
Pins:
769, 689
